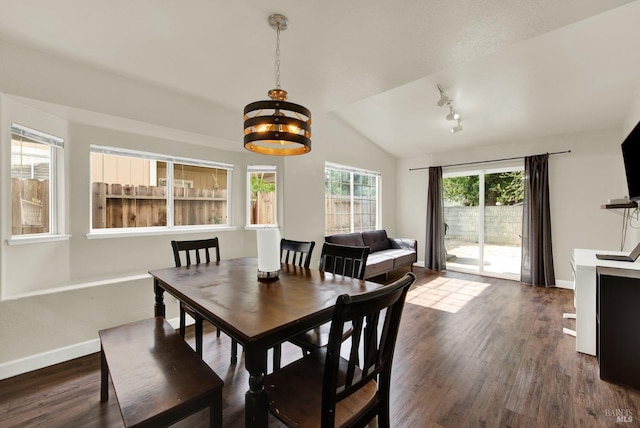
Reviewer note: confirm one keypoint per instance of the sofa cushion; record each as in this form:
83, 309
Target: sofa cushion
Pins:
351, 239
401, 257
377, 240
377, 264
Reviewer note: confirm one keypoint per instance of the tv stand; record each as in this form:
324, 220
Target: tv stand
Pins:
618, 298
583, 263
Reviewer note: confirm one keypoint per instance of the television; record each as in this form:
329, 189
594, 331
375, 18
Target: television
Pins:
631, 157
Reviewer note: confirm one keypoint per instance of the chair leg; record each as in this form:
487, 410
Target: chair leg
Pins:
215, 411
182, 321
383, 415
217, 331
234, 351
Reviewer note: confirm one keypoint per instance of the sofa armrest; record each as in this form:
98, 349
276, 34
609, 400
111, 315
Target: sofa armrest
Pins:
404, 243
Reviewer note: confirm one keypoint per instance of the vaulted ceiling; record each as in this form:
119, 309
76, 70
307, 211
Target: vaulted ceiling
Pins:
514, 69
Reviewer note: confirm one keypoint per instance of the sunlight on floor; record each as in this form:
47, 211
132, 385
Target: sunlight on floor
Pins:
446, 294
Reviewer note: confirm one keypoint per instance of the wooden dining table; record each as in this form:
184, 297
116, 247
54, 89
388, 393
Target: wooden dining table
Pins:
258, 314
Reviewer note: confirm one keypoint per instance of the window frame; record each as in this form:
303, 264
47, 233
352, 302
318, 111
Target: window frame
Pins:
170, 226
252, 169
56, 183
490, 168
378, 203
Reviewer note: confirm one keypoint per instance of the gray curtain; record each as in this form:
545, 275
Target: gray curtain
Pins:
434, 252
537, 254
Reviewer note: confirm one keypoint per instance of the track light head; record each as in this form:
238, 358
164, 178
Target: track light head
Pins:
444, 99
457, 128
453, 115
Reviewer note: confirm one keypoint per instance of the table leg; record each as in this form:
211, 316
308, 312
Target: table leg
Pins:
255, 400
159, 292
277, 356
104, 376
199, 323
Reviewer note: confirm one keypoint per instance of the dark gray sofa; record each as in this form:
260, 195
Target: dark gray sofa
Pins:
387, 254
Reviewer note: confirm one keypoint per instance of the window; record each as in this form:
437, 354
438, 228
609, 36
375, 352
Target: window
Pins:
351, 199
34, 191
261, 195
143, 190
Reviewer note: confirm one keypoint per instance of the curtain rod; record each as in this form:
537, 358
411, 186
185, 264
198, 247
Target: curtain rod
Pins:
488, 161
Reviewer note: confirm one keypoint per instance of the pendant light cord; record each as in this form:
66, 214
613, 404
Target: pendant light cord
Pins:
277, 71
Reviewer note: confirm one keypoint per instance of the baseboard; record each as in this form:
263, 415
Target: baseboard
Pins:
60, 355
564, 284
49, 358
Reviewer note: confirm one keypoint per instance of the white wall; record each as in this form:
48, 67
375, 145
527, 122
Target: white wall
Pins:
335, 142
580, 182
57, 320
633, 237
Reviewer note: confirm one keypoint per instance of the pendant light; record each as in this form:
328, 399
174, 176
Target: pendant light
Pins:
276, 126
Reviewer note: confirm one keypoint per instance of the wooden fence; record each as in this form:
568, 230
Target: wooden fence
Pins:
262, 209
338, 217
122, 206
29, 206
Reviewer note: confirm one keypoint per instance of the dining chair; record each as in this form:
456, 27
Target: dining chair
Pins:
344, 259
338, 259
196, 252
297, 253
329, 387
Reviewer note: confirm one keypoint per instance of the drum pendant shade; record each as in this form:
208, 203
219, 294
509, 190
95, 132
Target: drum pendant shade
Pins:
275, 126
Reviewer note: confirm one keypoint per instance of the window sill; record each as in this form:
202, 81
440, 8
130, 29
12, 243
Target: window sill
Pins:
36, 239
132, 232
260, 226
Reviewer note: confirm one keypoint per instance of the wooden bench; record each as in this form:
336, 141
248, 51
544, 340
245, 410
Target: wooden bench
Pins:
157, 377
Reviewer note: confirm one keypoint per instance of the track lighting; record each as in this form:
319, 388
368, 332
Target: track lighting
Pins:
453, 114
444, 99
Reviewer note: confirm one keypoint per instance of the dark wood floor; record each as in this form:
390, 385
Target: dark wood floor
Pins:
472, 351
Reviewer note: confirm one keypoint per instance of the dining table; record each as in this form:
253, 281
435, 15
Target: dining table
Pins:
258, 314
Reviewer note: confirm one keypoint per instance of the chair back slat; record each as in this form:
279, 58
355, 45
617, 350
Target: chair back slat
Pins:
366, 311
371, 353
344, 260
296, 253
353, 353
187, 248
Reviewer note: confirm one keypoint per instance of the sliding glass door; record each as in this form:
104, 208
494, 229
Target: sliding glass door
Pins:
483, 221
